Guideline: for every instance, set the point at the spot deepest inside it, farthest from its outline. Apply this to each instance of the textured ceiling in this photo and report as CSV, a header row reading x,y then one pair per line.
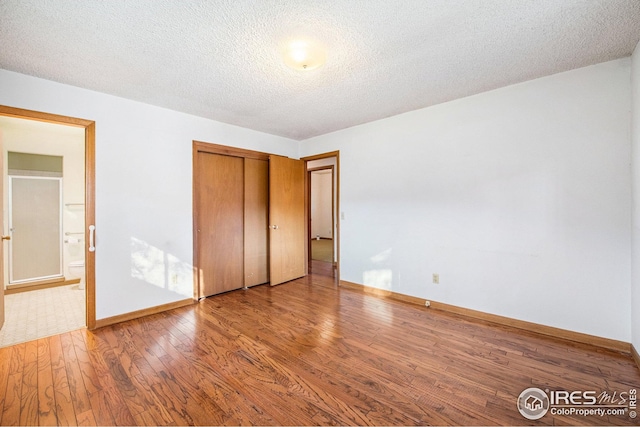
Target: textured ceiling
x,y
221,59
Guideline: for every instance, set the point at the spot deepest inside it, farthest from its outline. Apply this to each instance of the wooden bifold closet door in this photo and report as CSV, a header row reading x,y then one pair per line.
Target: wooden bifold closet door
x,y
220,229
256,222
235,198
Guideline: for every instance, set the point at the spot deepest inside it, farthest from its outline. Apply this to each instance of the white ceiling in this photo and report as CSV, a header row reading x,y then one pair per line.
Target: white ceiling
x,y
221,59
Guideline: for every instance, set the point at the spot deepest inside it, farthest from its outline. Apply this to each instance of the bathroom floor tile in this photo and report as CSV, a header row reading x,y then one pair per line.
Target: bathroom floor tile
x,y
42,313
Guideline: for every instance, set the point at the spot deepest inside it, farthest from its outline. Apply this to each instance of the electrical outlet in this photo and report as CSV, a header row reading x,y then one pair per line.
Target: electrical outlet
x,y
436,278
427,303
174,279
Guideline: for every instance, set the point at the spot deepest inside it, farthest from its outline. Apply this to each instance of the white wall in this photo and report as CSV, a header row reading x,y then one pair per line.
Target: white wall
x,y
635,184
519,198
143,187
27,136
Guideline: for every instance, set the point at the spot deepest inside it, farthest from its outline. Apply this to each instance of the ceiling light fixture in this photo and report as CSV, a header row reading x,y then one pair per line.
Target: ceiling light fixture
x,y
304,55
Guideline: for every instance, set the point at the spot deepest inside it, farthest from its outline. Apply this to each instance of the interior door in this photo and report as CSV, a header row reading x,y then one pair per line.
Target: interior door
x,y
220,227
4,238
287,223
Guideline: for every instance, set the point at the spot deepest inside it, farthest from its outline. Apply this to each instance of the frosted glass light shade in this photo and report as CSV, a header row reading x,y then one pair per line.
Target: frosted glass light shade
x,y
304,55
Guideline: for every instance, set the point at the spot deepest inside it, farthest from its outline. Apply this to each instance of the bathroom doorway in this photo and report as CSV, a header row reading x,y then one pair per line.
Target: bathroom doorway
x,y
44,200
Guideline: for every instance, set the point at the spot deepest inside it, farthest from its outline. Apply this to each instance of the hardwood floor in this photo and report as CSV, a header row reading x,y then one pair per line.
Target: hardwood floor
x,y
302,353
321,268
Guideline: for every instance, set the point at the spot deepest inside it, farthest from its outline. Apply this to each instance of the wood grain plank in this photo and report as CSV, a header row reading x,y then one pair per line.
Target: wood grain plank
x,y
13,391
79,394
226,388
129,392
29,391
270,370
120,351
87,419
304,353
154,410
113,382
46,392
64,409
186,363
173,400
58,367
101,409
247,381
5,362
90,378
152,376
65,412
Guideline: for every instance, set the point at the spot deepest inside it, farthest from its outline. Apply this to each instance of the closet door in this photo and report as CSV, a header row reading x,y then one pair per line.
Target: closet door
x,y
256,222
220,223
287,222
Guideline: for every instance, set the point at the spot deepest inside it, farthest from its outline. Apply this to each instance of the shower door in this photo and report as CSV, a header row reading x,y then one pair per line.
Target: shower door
x,y
35,223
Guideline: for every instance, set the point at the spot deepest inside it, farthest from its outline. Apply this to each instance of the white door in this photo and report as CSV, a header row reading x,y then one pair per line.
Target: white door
x,y
4,238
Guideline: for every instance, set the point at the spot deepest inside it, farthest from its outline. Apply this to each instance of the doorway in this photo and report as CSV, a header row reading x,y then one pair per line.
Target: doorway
x,y
322,213
48,169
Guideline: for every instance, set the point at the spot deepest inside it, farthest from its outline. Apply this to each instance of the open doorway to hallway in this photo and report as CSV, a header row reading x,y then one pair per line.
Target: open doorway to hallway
x,y
44,229
322,212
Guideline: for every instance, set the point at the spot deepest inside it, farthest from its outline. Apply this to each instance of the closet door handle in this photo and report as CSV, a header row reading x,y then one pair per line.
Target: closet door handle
x,y
92,246
275,227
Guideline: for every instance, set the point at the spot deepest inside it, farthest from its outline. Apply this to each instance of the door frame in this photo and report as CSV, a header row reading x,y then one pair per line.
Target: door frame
x,y
307,159
333,206
90,181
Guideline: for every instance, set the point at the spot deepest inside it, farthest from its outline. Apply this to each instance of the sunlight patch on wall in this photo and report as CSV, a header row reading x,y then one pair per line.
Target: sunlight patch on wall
x,y
156,267
381,279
